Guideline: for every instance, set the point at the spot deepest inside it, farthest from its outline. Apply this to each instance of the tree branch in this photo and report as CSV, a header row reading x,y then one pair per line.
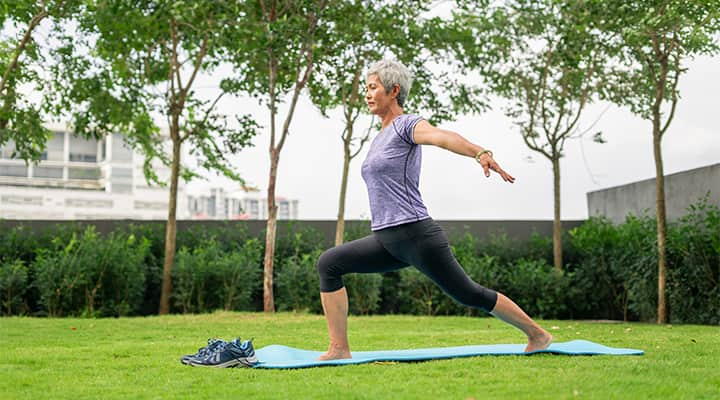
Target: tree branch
x,y
34,22
674,100
533,146
175,64
205,118
196,68
300,84
543,87
364,139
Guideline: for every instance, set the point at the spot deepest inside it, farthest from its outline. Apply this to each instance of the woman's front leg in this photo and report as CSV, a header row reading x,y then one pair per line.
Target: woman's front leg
x,y
335,306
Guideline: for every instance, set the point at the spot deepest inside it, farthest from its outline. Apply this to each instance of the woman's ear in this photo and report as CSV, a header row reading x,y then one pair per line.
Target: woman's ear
x,y
396,90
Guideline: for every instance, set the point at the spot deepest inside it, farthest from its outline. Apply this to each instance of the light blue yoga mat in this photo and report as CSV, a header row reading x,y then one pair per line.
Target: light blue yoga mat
x,y
277,356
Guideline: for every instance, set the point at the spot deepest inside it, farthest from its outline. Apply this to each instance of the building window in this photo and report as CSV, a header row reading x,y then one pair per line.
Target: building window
x,y
121,152
121,188
192,204
284,210
211,206
14,170
122,172
83,150
84,173
88,203
22,200
254,208
150,205
7,150
48,172
54,148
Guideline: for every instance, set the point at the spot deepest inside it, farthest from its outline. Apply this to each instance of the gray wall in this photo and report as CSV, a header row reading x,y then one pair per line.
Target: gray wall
x,y
519,230
682,189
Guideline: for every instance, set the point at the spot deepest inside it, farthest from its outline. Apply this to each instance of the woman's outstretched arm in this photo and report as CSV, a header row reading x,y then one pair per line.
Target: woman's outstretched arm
x,y
425,133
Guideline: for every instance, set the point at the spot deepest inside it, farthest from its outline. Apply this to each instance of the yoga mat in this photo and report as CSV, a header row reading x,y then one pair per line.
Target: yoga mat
x,y
278,356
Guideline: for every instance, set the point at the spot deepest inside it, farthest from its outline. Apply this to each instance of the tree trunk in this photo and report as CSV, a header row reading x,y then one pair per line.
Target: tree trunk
x,y
340,227
171,227
662,314
268,295
557,222
660,218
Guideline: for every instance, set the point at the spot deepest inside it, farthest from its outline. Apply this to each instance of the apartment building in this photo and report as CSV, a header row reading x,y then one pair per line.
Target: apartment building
x,y
242,203
78,179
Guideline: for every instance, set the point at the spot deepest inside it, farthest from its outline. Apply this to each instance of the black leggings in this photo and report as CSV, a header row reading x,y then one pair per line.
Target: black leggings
x,y
422,244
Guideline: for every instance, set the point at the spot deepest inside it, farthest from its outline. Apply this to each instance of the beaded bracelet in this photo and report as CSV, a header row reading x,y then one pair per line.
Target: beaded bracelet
x,y
486,151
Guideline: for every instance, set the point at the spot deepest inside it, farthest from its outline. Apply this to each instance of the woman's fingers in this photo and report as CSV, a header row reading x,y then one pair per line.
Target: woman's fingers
x,y
492,165
486,168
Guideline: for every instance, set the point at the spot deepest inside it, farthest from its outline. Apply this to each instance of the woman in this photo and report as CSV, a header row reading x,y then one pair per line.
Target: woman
x,y
403,232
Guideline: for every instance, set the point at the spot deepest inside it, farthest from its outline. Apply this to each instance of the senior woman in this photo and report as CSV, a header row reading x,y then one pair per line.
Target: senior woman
x,y
403,233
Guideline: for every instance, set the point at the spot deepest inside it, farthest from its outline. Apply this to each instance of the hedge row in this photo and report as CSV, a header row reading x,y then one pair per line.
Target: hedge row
x,y
610,272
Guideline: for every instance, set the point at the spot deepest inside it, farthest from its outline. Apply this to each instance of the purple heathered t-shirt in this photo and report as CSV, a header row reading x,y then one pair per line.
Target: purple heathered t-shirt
x,y
392,174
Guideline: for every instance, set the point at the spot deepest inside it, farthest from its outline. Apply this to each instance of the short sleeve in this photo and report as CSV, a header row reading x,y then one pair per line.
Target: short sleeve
x,y
405,126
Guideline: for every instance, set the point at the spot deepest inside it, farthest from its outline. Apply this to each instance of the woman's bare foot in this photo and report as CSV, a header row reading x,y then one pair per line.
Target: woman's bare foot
x,y
335,353
540,341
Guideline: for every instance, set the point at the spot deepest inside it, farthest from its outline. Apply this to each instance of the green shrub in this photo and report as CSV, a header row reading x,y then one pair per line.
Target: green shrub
x,y
193,275
293,239
418,294
154,232
239,274
92,276
208,277
637,266
693,284
538,288
598,243
297,284
13,285
363,292
356,230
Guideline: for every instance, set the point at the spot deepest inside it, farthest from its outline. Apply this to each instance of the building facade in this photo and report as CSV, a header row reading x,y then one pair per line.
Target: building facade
x,y
243,203
79,179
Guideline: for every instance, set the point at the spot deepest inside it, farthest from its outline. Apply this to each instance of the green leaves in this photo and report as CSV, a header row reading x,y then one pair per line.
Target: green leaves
x,y
545,58
141,58
23,59
652,39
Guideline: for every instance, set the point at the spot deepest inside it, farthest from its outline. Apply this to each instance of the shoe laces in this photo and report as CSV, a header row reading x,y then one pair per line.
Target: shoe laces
x,y
214,345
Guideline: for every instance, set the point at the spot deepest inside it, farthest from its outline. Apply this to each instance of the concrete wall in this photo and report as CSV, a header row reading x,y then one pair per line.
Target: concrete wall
x,y
682,189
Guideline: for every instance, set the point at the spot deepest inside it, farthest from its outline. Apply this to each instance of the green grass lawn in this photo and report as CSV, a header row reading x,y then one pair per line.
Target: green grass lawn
x,y
131,358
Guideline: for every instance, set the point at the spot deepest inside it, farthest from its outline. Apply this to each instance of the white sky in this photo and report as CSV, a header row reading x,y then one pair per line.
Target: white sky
x,y
454,187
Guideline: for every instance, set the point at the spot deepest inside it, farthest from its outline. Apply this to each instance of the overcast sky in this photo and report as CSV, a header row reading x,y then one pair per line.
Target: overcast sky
x,y
454,187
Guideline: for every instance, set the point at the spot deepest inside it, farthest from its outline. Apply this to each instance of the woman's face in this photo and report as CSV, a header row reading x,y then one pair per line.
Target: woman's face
x,y
377,98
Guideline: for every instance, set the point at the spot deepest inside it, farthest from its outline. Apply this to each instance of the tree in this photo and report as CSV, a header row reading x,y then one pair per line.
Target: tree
x,y
21,64
655,38
361,32
543,57
148,55
280,64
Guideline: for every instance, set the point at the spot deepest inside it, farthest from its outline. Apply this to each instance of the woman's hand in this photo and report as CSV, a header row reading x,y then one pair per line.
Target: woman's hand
x,y
488,164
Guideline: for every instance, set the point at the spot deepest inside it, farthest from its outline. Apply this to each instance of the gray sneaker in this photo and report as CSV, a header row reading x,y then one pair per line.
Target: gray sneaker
x,y
212,346
228,355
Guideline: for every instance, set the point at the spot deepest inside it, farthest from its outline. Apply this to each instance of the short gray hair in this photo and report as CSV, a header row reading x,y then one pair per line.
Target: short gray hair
x,y
391,73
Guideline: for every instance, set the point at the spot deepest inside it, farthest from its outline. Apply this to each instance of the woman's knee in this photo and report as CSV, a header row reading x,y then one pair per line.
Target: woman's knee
x,y
330,271
325,262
